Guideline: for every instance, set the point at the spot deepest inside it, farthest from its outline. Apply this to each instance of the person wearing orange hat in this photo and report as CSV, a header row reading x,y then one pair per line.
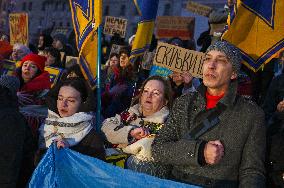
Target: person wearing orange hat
x,y
34,85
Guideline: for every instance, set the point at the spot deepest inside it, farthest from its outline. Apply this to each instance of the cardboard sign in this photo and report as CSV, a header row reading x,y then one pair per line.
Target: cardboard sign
x,y
7,67
197,8
147,60
115,25
54,74
175,26
179,59
19,32
70,61
161,71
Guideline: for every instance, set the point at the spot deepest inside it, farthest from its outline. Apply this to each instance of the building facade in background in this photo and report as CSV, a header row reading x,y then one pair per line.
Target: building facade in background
x,y
55,16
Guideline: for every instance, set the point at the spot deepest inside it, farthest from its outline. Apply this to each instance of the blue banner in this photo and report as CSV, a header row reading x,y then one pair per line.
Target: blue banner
x,y
67,168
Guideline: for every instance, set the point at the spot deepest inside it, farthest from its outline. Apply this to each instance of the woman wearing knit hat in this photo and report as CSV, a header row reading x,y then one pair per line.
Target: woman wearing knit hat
x,y
34,84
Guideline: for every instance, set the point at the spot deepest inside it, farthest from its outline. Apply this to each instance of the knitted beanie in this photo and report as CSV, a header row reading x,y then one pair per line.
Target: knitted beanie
x,y
233,54
37,59
10,82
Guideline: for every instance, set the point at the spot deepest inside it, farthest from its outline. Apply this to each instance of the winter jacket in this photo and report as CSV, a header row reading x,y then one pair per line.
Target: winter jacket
x,y
33,107
241,130
116,130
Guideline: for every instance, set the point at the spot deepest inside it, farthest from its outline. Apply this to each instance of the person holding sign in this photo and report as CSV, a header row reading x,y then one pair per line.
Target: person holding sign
x,y
213,137
183,83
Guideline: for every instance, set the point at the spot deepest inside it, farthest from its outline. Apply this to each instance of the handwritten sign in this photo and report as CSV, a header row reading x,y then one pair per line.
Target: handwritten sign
x,y
19,32
198,8
179,59
115,25
175,26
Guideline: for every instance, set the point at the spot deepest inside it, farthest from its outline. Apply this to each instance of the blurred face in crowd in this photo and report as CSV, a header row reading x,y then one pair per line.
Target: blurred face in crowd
x,y
17,54
217,72
68,101
124,60
177,78
41,41
57,44
49,59
113,61
152,99
29,70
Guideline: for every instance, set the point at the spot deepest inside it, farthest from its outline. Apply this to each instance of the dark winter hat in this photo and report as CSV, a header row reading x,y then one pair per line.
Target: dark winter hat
x,y
61,37
10,82
233,54
37,59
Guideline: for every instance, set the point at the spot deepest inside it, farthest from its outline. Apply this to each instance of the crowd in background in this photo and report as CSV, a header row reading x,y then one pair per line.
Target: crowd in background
x,y
135,106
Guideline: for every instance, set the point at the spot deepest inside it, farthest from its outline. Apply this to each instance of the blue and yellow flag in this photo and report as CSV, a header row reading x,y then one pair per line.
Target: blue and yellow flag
x,y
148,12
257,29
86,17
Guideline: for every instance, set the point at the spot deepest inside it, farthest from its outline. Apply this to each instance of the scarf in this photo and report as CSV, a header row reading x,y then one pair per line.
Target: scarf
x,y
72,129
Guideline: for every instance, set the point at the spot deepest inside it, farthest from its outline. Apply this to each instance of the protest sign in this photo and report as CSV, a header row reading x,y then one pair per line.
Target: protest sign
x,y
175,26
115,25
19,32
179,59
54,74
198,8
70,61
147,60
7,67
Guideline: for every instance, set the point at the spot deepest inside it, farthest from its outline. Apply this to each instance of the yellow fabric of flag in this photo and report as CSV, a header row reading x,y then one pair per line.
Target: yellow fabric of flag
x,y
257,29
86,17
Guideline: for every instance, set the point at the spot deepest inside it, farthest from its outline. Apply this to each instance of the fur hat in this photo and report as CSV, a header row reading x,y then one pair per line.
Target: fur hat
x,y
37,59
10,82
233,54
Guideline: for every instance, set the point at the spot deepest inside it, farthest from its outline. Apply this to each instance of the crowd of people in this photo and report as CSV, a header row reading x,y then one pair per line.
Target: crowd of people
x,y
219,131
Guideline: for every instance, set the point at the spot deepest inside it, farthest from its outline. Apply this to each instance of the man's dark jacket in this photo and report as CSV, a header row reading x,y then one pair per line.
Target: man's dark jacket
x,y
241,131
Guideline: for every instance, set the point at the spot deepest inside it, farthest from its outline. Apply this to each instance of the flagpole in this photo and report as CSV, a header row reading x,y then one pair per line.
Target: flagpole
x,y
98,116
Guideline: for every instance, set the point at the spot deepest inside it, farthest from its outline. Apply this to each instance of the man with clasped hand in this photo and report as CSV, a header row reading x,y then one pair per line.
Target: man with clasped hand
x,y
213,137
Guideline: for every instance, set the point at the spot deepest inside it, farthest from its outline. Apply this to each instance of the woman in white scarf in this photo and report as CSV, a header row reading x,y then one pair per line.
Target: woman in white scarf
x,y
134,130
70,121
